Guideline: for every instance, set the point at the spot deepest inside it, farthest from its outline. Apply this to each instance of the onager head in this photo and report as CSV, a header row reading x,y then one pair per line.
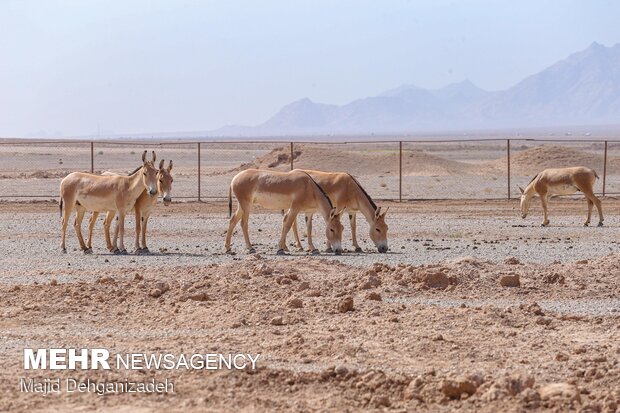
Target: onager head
x,y
149,174
164,182
378,230
526,200
333,230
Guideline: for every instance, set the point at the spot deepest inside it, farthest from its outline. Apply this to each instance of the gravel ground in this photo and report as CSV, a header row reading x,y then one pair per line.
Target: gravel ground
x,y
420,233
469,312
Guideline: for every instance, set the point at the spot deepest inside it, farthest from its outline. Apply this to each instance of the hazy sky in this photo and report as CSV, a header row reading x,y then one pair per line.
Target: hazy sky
x,y
136,66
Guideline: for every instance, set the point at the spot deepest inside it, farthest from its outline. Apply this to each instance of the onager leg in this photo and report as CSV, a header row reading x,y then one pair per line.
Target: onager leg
x,y
289,218
352,221
145,221
77,225
544,200
91,227
245,221
121,229
69,204
232,223
109,218
592,198
590,205
139,220
296,234
311,246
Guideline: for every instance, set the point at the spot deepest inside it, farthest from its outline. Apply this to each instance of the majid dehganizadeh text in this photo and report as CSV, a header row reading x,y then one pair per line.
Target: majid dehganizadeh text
x,y
100,359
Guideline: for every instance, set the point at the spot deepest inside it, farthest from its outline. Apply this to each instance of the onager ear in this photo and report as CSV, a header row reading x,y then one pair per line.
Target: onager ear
x,y
144,156
170,166
521,189
378,212
384,212
154,157
341,211
161,164
332,213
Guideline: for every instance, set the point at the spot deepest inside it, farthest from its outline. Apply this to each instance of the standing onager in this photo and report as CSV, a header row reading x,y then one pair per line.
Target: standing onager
x,y
88,192
143,208
294,191
346,192
562,181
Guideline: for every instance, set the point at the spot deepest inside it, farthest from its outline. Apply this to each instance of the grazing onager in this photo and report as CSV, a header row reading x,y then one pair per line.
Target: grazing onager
x,y
346,192
562,181
143,207
294,191
88,192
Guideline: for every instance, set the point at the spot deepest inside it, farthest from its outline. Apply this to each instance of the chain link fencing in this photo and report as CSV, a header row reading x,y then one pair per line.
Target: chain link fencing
x,y
389,170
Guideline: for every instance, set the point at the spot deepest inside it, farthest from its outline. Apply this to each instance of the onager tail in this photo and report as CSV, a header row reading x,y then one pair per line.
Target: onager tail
x,y
230,201
595,174
61,201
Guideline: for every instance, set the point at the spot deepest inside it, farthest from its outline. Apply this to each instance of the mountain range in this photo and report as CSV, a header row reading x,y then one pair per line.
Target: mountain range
x,y
583,89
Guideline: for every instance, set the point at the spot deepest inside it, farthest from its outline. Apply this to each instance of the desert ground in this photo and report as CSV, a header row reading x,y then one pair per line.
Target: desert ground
x,y
430,170
473,309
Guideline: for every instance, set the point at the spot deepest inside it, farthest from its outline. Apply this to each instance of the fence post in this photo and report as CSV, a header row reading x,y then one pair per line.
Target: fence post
x,y
292,156
400,171
604,168
198,171
508,164
92,157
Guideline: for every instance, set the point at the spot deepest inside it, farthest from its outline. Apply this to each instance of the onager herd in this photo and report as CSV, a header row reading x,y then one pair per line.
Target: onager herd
x,y
294,192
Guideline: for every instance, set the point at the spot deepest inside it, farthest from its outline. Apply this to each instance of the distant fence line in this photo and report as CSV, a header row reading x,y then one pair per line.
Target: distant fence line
x,y
389,169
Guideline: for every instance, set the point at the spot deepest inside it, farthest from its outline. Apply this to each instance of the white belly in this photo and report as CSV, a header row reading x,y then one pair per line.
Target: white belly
x,y
562,190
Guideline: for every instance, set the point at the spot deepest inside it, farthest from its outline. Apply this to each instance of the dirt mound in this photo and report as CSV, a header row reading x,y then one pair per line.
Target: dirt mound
x,y
533,160
359,161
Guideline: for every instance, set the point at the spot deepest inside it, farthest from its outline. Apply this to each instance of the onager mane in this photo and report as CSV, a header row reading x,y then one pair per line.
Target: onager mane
x,y
374,206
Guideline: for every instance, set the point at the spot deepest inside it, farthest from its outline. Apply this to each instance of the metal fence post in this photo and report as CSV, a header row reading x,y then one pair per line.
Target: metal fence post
x,y
92,157
292,156
604,168
198,171
400,171
508,164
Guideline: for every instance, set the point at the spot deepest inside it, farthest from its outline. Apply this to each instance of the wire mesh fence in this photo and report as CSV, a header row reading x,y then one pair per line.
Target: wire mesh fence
x,y
389,170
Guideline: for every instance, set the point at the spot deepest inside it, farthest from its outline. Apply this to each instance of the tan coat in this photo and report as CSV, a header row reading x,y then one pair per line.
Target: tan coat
x,y
294,191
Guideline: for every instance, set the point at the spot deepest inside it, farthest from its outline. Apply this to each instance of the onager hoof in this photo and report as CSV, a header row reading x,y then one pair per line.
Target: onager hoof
x,y
281,252
251,250
359,249
600,224
230,252
315,252
329,250
63,250
88,251
544,224
116,251
586,224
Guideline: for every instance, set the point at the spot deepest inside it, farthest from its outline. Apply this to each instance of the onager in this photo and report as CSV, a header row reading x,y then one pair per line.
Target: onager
x,y
562,181
143,207
88,192
294,191
346,192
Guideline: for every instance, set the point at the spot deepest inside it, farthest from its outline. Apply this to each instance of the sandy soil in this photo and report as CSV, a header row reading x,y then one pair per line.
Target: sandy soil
x,y
434,325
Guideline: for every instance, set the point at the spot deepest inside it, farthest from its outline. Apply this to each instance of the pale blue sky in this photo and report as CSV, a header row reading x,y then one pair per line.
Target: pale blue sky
x,y
140,66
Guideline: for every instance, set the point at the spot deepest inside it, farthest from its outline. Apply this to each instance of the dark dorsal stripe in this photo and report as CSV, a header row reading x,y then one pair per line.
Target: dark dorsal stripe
x,y
135,170
320,189
374,206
